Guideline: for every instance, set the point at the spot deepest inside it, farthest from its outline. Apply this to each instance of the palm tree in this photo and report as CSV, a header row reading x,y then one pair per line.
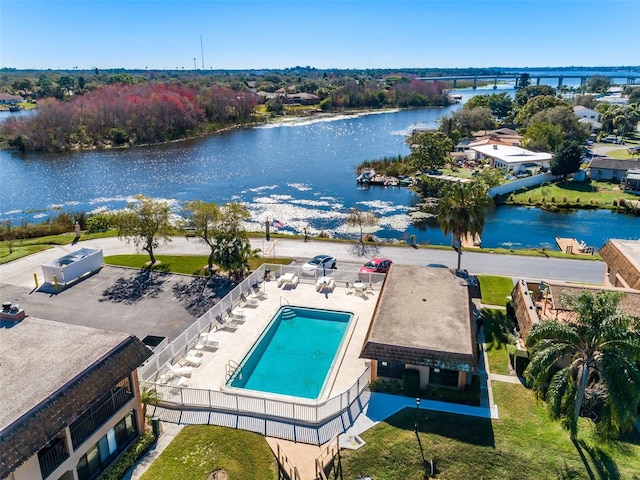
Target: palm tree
x,y
148,396
461,211
588,365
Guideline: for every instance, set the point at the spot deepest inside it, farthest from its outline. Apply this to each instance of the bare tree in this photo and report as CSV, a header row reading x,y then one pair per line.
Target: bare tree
x,y
362,220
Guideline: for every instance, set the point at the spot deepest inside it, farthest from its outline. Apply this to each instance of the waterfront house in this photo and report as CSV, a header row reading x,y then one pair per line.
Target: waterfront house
x,y
423,321
70,399
611,169
511,159
8,99
632,181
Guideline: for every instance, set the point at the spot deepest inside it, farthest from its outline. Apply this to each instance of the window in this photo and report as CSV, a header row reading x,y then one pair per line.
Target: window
x,y
441,376
390,369
102,453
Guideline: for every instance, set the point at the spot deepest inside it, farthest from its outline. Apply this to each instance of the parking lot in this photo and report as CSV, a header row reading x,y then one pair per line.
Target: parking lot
x,y
122,299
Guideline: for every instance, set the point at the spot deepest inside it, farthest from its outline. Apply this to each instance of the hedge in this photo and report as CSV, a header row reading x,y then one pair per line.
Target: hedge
x,y
128,459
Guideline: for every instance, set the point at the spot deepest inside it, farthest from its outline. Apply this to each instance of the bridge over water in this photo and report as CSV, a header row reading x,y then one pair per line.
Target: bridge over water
x,y
630,78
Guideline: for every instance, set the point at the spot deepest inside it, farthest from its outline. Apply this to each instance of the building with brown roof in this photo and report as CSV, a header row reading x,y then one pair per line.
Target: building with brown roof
x,y
70,399
623,263
423,321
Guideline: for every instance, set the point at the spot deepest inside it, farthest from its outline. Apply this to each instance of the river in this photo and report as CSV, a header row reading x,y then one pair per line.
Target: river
x,y
300,173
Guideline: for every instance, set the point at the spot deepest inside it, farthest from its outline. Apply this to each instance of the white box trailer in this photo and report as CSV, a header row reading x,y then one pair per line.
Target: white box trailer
x,y
73,266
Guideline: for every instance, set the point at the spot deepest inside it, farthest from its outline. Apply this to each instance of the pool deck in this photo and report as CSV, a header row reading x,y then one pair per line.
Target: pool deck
x,y
233,345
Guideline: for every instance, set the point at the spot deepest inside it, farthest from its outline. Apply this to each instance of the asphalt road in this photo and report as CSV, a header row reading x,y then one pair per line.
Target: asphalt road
x,y
21,271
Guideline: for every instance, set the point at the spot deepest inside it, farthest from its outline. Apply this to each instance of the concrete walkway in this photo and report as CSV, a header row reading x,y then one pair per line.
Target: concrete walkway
x,y
168,432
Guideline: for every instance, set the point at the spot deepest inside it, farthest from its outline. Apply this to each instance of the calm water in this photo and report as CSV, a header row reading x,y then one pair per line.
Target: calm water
x,y
295,354
300,173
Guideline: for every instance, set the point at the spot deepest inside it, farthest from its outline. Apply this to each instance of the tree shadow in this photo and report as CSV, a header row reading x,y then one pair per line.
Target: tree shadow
x,y
604,465
463,428
201,293
361,249
131,290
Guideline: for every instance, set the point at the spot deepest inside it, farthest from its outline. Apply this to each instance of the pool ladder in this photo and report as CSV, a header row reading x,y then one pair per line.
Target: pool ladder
x,y
287,314
232,370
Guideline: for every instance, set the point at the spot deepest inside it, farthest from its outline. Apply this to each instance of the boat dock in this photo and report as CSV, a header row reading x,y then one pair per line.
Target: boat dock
x,y
571,245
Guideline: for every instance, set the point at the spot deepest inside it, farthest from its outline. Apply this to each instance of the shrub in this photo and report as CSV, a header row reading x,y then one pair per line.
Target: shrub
x,y
529,199
577,199
553,199
128,458
100,222
411,382
615,203
564,199
593,201
385,385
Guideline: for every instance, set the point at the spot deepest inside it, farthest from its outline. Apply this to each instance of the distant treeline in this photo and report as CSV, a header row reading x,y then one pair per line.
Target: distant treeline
x,y
117,115
77,112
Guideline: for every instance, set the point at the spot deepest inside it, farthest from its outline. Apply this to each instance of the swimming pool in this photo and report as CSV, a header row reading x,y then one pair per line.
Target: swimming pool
x,y
294,354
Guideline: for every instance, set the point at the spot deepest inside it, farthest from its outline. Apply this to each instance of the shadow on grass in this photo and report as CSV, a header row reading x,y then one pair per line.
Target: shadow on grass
x,y
605,467
145,283
462,428
202,293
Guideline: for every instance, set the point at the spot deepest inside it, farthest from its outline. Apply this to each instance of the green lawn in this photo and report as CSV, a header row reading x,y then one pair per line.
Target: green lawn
x,y
590,194
185,264
24,247
622,154
522,444
199,450
496,324
495,289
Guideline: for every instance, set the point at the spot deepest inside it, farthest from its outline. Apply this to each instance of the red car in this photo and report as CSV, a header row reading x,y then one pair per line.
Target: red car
x,y
376,265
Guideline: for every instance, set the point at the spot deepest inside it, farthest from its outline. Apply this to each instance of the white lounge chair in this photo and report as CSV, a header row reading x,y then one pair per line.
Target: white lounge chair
x,y
191,361
176,383
180,371
250,302
205,342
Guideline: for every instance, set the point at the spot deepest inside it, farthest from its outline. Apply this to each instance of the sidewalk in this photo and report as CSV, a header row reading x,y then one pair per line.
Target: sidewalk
x,y
168,431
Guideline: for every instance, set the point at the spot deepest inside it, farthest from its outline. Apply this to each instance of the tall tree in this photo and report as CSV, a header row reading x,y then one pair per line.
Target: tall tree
x,y
566,159
430,150
145,223
588,365
461,211
598,84
222,229
525,94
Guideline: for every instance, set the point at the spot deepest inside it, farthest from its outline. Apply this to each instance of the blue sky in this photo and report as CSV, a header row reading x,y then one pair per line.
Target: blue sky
x,y
241,34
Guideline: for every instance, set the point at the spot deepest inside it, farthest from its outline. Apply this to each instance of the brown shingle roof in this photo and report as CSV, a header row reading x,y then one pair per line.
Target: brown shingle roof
x,y
50,373
623,257
423,318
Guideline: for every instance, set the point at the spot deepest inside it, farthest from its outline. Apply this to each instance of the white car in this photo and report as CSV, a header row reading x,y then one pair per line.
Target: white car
x,y
317,263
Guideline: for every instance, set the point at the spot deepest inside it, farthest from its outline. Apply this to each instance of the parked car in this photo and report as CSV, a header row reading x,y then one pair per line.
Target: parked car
x,y
376,265
318,262
635,149
610,139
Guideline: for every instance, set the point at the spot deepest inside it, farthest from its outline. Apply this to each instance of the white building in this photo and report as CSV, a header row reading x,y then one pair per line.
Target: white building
x,y
512,159
584,112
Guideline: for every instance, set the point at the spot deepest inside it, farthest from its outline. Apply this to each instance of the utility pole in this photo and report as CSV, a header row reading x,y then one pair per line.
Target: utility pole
x,y
201,52
194,63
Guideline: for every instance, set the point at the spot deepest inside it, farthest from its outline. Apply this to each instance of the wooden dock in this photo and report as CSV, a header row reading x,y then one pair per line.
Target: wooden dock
x,y
573,246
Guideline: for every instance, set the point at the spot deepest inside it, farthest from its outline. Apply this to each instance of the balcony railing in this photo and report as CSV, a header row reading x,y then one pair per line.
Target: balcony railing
x,y
52,456
93,418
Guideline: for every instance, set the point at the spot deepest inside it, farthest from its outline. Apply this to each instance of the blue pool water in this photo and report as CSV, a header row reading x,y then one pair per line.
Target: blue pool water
x,y
294,354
